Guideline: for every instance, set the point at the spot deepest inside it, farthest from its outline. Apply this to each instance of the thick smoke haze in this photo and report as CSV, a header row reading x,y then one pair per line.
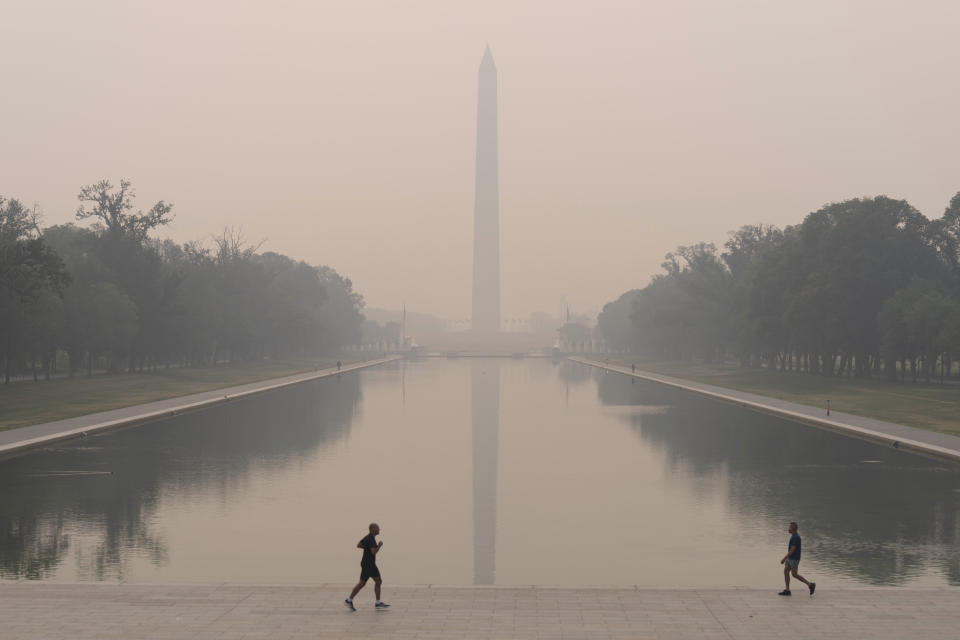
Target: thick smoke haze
x,y
343,133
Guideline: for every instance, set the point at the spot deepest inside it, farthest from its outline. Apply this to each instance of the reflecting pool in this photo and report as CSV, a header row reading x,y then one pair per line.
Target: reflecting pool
x,y
479,471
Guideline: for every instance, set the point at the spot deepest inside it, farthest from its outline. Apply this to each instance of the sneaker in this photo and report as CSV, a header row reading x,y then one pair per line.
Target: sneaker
x,y
349,604
785,592
813,587
381,605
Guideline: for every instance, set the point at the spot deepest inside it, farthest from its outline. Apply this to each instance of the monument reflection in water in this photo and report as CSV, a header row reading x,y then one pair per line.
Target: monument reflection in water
x,y
485,421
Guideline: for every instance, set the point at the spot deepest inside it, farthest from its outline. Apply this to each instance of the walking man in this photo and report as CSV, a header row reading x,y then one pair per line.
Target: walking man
x,y
791,562
368,567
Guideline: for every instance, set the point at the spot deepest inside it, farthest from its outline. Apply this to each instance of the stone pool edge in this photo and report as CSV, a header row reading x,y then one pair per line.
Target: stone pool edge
x,y
898,436
226,611
16,441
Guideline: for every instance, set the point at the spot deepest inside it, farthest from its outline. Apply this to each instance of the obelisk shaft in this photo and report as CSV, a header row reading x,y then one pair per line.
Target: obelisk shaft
x,y
486,211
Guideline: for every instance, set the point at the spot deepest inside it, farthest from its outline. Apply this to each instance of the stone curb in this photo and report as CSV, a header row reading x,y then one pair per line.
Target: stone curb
x,y
725,395
225,395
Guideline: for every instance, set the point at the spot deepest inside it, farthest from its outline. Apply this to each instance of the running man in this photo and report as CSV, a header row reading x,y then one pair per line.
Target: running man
x,y
368,567
791,562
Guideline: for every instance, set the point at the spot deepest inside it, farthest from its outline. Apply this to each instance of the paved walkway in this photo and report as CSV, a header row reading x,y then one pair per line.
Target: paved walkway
x,y
940,445
16,440
99,611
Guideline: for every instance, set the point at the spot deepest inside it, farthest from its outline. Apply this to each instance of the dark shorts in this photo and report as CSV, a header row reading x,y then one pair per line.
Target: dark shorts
x,y
792,563
369,572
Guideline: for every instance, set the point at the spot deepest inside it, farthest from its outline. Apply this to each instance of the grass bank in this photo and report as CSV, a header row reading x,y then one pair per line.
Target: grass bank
x,y
926,406
26,403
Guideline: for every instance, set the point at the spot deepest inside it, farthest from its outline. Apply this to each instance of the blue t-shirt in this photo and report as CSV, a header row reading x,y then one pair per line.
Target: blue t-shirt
x,y
794,542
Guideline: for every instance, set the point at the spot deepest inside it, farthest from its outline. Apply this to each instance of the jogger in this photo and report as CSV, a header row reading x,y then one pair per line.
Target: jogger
x,y
368,567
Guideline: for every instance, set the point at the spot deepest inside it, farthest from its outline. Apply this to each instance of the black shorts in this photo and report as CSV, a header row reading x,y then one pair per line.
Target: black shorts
x,y
369,572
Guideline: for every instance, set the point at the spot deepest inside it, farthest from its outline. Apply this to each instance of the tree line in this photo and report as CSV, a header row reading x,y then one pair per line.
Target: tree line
x,y
110,296
864,287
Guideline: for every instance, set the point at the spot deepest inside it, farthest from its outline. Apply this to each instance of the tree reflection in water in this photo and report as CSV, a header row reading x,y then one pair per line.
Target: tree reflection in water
x,y
874,513
88,488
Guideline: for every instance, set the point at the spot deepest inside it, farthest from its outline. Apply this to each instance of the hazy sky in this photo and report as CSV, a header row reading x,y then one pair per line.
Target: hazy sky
x,y
343,132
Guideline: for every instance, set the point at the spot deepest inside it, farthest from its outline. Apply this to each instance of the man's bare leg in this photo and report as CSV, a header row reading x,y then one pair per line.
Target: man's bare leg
x,y
786,577
360,585
798,577
376,587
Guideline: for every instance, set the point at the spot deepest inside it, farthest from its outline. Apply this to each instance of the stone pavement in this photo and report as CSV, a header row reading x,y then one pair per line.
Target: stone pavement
x,y
102,611
16,440
931,443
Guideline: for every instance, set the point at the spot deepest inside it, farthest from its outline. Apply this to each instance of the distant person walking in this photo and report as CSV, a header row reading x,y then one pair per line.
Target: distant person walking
x,y
339,365
791,562
368,567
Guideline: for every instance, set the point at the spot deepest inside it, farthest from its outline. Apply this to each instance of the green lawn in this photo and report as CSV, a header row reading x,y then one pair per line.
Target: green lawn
x,y
934,407
25,403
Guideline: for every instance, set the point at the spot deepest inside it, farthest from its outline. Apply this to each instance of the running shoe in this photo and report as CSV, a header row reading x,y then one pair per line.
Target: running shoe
x,y
349,604
813,587
785,592
380,605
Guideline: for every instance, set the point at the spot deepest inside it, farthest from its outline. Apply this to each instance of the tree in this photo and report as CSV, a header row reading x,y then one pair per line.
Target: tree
x,y
758,260
29,269
110,322
135,264
112,211
829,295
896,343
79,249
339,317
945,237
926,323
616,324
43,331
705,306
855,255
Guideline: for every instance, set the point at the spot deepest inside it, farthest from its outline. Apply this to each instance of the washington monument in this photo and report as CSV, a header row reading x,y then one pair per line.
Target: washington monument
x,y
486,208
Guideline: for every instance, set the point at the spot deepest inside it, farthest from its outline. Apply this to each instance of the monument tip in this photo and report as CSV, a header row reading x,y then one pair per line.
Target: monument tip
x,y
487,56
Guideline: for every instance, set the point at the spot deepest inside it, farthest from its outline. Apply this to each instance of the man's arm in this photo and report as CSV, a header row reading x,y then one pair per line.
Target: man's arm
x,y
375,550
789,553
